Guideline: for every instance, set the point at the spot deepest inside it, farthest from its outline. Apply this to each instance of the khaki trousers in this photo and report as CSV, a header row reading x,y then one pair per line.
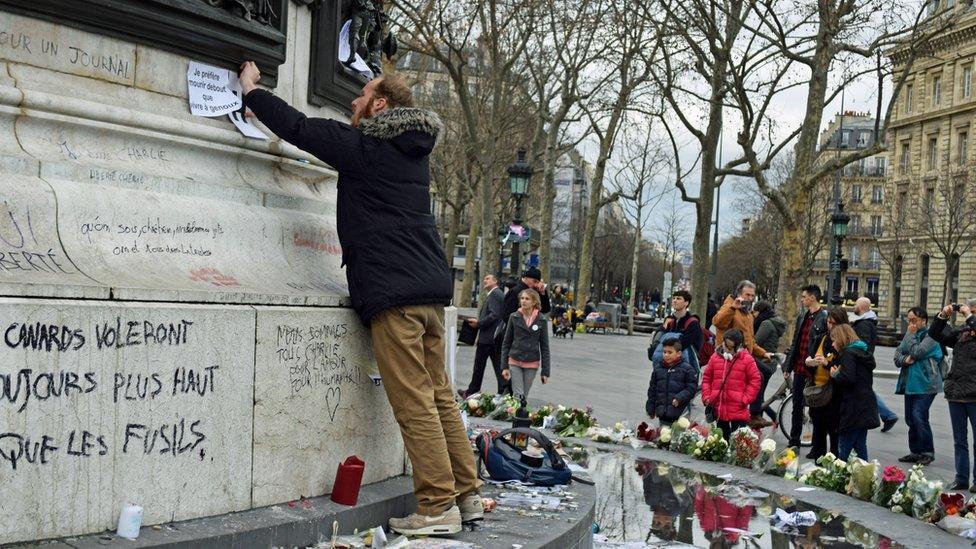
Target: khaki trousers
x,y
409,346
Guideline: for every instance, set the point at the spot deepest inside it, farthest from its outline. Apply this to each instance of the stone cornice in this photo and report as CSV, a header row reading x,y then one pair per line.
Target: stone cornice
x,y
932,116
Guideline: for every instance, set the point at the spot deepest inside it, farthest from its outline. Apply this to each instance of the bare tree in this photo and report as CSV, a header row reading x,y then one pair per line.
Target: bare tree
x,y
637,182
942,214
894,245
557,61
672,232
839,38
480,45
628,63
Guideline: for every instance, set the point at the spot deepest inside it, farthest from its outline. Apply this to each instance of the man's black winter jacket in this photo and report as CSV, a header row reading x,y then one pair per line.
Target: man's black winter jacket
x,y
390,246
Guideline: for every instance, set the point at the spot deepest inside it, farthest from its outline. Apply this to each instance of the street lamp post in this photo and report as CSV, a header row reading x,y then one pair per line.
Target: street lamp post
x,y
518,181
838,221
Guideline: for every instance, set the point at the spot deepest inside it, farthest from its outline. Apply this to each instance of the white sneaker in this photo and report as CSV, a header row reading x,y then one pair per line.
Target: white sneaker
x,y
446,523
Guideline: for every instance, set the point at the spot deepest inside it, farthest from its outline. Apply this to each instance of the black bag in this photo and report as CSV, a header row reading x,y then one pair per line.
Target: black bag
x,y
817,396
711,415
468,333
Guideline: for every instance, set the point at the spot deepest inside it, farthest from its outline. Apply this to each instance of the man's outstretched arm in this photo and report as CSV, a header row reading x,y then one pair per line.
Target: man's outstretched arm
x,y
332,142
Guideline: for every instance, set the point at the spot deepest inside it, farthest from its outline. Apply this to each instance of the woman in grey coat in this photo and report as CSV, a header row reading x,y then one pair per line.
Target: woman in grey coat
x,y
525,349
768,328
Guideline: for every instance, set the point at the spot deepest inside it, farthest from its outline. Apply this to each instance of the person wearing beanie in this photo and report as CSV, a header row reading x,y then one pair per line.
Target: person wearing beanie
x,y
731,382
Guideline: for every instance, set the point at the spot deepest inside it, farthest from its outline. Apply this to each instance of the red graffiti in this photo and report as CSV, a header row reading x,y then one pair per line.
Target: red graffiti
x,y
330,246
213,276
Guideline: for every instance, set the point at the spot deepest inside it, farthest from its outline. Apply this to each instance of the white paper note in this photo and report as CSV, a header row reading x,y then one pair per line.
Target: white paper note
x,y
247,128
212,91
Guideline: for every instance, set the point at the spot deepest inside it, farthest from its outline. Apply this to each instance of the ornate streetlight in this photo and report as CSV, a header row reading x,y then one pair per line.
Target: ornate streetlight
x,y
838,221
519,174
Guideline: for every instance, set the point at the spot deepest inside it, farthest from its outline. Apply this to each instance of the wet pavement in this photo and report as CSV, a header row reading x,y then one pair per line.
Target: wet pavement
x,y
644,503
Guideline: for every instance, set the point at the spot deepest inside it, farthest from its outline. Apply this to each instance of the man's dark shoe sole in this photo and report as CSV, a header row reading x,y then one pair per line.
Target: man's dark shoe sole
x,y
910,458
888,424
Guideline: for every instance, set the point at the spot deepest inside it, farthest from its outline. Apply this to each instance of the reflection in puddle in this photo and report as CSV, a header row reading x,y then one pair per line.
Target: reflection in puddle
x,y
643,503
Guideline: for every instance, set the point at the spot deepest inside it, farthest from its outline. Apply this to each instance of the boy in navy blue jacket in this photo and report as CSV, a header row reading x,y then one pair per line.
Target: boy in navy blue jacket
x,y
672,386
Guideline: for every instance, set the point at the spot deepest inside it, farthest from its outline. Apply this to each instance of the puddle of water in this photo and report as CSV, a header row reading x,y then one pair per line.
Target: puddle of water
x,y
642,503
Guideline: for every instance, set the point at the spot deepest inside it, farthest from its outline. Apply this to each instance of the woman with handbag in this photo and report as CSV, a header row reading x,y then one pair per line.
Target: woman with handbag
x,y
819,391
730,383
853,377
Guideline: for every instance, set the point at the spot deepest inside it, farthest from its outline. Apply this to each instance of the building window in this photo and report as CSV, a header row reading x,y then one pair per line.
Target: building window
x,y
962,148
845,139
872,286
852,285
967,82
879,166
875,225
936,91
877,194
856,194
905,157
854,226
855,257
929,198
933,155
874,261
909,98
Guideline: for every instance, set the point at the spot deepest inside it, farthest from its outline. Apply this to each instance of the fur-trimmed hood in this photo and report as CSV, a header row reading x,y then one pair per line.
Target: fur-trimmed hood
x,y
412,131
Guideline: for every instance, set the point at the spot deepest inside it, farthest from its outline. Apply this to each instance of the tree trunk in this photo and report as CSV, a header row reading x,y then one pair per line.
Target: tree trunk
x,y
548,198
791,272
949,264
471,251
452,235
634,262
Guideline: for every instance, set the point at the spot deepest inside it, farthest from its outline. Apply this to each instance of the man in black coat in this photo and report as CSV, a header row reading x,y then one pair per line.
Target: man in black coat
x,y
488,321
398,280
531,280
811,326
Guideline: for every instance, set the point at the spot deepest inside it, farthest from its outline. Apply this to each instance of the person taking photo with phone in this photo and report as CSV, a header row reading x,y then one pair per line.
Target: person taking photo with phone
x,y
960,383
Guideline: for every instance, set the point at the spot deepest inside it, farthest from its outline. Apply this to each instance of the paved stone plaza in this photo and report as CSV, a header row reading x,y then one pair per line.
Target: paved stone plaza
x,y
611,373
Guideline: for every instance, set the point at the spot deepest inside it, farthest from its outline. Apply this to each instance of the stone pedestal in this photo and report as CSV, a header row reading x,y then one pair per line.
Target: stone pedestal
x,y
175,322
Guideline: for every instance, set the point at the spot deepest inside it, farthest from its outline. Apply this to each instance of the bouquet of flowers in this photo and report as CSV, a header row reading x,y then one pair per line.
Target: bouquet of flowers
x,y
953,514
616,435
884,489
830,474
902,500
573,422
687,441
713,448
539,415
924,494
505,407
647,433
785,464
479,405
664,437
744,447
767,455
859,535
862,480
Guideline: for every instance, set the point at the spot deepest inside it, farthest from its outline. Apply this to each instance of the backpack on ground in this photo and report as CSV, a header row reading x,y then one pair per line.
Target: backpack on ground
x,y
503,459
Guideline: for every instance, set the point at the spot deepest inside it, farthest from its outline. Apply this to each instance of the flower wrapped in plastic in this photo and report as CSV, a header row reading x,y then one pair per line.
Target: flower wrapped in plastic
x,y
863,478
505,407
859,535
664,437
767,455
830,474
478,405
687,441
615,435
647,433
743,447
714,447
573,422
887,484
539,415
785,464
924,494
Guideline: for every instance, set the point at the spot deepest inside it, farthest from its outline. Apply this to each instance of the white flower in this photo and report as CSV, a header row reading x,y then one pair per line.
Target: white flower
x,y
682,423
618,426
561,408
768,445
840,463
473,403
700,443
803,478
697,452
830,456
896,509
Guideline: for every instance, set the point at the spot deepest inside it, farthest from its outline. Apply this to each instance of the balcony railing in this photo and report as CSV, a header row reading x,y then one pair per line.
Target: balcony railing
x,y
872,265
857,170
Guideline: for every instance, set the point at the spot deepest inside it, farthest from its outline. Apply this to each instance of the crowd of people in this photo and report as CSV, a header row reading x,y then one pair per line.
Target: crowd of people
x,y
831,365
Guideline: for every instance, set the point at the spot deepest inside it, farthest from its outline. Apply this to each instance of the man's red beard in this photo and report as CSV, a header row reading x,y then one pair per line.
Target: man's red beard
x,y
359,116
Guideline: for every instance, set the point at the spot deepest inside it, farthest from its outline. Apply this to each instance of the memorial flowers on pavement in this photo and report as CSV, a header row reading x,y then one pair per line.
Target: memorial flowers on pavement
x,y
891,479
744,447
864,477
